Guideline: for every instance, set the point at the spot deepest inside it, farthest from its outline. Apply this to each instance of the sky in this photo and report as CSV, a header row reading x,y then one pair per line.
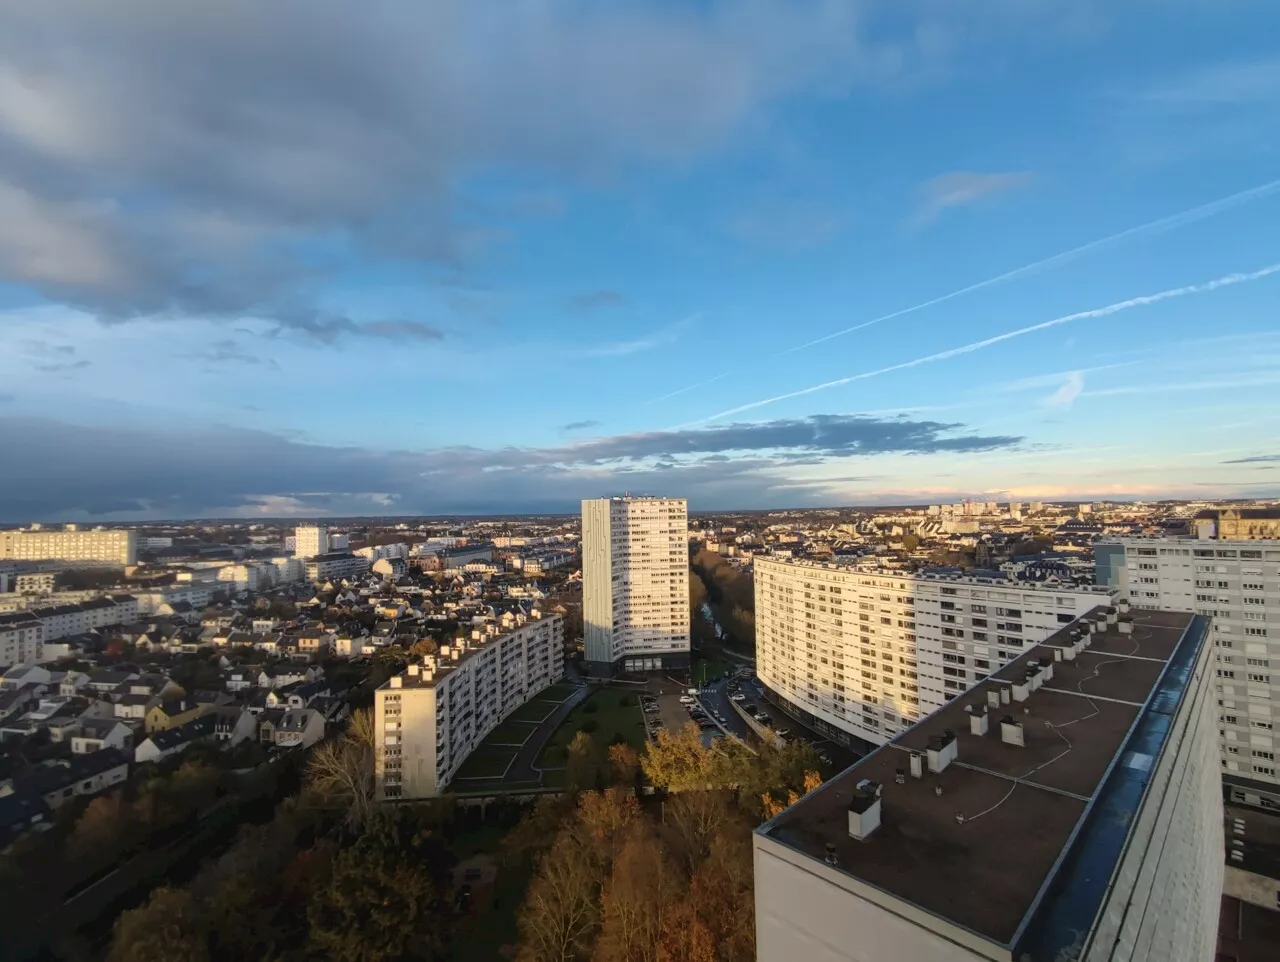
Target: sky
x,y
313,258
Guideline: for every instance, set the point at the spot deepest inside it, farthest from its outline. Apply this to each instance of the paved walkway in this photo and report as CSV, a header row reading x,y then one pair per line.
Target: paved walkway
x,y
522,767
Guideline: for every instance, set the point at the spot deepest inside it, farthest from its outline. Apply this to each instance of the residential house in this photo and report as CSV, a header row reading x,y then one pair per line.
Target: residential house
x,y
58,782
234,724
14,701
238,679
105,680
349,646
172,713
298,695
162,744
299,728
96,734
72,683
313,642
134,707
19,813
21,676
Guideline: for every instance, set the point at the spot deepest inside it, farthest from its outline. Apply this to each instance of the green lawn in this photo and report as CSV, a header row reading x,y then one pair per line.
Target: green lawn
x,y
486,762
708,668
535,710
511,732
611,718
557,692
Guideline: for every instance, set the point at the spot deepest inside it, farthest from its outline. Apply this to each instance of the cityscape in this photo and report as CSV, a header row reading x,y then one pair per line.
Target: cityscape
x,y
644,481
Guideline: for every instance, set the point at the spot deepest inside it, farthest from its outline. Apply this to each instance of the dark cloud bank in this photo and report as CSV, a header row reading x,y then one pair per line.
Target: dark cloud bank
x,y
68,470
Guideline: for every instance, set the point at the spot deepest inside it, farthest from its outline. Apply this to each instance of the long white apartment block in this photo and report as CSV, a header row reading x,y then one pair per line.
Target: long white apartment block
x,y
428,719
1237,584
865,652
115,546
635,592
1066,809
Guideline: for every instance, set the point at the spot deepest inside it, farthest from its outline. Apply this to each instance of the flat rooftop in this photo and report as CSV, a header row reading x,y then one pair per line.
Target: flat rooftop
x,y
979,854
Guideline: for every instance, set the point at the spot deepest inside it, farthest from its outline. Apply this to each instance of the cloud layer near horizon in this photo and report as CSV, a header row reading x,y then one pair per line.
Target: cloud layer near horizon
x,y
70,471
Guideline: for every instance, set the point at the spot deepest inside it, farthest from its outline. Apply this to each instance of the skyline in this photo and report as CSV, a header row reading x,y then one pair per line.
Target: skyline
x,y
302,262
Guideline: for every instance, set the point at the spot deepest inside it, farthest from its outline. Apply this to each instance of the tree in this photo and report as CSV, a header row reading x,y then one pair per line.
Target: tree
x,y
694,819
340,770
642,890
169,928
910,542
424,646
624,765
385,897
561,910
772,806
583,764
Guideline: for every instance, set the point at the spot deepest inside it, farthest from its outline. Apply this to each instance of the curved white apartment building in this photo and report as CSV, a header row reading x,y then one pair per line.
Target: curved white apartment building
x,y
865,651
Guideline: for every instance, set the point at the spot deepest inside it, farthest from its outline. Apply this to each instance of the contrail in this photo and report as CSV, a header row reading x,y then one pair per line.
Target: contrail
x,y
1143,301
691,387
1164,223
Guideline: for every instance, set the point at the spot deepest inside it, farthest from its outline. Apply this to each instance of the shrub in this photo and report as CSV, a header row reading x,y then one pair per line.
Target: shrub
x,y
590,725
590,708
618,740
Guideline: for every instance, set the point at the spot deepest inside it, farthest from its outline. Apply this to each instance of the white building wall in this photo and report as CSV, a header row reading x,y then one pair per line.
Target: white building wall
x,y
118,546
1237,583
636,580
309,541
869,651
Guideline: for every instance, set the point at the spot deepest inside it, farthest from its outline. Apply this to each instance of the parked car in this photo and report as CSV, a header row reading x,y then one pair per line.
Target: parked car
x,y
738,697
687,699
651,708
783,732
751,709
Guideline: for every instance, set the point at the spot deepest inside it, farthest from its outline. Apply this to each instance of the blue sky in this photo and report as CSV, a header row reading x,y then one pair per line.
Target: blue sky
x,y
309,258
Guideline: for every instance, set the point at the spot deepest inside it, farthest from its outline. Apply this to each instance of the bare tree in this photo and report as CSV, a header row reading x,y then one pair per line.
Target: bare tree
x,y
340,770
561,910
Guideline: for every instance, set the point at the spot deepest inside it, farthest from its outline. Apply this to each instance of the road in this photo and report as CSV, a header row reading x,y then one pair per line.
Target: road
x,y
715,699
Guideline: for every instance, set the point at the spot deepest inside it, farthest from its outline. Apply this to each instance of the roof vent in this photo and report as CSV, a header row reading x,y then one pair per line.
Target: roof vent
x,y
1022,690
1011,731
864,810
900,776
831,857
397,681
1123,606
1046,668
978,722
942,751
917,765
1125,626
993,697
1006,694
1112,616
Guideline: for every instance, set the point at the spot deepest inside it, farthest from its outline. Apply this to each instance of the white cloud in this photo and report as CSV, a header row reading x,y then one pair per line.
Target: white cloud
x,y
1067,392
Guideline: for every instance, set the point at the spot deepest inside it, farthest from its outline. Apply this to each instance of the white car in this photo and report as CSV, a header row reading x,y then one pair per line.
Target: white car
x,y
650,708
739,697
686,699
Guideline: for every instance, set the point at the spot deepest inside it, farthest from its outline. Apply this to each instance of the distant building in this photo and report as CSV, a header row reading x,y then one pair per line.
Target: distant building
x,y
310,541
35,583
331,567
635,595
430,718
1026,820
21,639
116,546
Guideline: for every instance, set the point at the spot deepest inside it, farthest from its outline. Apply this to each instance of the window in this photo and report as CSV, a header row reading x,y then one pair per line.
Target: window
x,y
1259,678
1256,632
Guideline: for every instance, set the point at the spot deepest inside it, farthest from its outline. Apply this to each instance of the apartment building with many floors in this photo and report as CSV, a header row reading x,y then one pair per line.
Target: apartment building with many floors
x,y
73,544
429,718
1237,584
635,583
1065,808
861,652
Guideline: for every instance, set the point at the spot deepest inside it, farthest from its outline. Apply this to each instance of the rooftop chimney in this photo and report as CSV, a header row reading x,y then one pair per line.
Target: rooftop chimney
x,y
942,751
1123,605
917,765
1011,731
978,723
1126,626
397,681
864,810
993,697
415,670
1046,669
1006,693
1112,615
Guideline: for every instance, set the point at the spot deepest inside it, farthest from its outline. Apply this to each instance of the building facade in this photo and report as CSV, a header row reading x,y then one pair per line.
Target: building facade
x,y
21,639
866,652
117,546
309,541
428,719
1237,584
635,583
1066,808
334,567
